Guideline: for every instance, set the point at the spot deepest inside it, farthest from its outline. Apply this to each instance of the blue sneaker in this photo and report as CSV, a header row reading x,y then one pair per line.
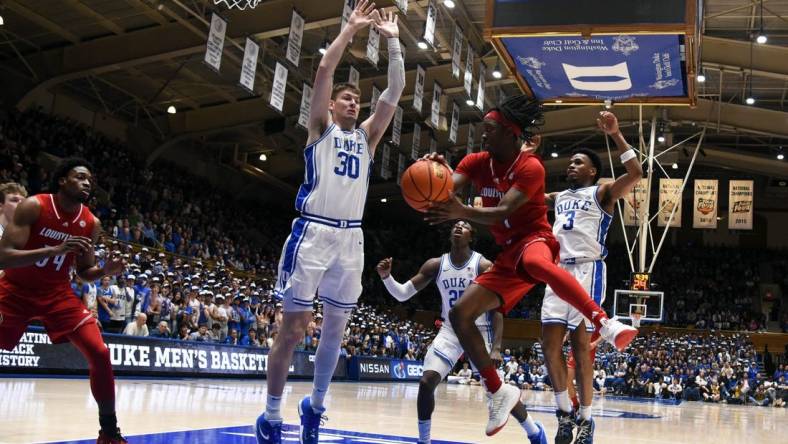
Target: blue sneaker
x,y
539,438
268,432
585,431
310,422
566,423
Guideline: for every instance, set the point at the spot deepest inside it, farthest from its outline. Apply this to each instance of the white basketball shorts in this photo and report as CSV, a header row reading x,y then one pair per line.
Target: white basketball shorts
x,y
322,260
592,276
445,349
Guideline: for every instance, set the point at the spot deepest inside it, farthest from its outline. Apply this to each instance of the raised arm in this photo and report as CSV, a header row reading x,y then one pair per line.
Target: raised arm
x,y
378,122
609,193
363,15
17,233
549,199
403,292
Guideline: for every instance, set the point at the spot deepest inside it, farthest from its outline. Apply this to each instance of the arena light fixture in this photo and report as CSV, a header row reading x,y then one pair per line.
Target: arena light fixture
x,y
263,157
171,109
2,22
780,155
323,47
384,200
449,4
496,73
422,44
760,37
701,77
675,166
750,100
553,154
661,139
469,101
559,101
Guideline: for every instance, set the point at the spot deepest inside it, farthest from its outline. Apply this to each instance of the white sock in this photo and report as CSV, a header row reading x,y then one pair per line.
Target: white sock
x,y
316,400
424,430
562,401
327,354
530,426
585,412
272,408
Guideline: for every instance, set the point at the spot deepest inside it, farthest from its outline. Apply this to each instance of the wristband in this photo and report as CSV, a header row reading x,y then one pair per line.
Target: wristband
x,y
627,156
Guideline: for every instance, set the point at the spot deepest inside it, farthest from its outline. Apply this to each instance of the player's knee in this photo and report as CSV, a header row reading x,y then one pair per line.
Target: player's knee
x,y
429,381
99,355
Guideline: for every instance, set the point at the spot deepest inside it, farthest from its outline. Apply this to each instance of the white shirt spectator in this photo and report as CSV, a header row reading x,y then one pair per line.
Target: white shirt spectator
x,y
138,327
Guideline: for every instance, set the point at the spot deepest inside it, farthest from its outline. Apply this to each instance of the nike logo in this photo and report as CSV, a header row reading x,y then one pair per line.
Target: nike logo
x,y
261,433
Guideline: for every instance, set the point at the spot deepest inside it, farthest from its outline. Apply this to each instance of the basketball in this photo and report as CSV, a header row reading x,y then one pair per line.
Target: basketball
x,y
424,182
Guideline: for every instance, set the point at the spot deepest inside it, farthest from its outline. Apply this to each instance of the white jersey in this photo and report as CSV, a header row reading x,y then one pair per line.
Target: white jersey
x,y
336,177
452,282
581,225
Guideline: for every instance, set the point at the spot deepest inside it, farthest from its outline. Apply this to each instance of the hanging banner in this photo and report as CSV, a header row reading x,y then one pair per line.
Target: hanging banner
x,y
402,5
471,138
418,92
429,24
249,65
295,38
277,99
704,213
373,46
456,52
501,95
306,104
384,162
396,130
435,113
353,76
669,197
468,81
635,201
215,46
482,86
416,143
347,10
433,145
400,168
455,122
375,96
740,198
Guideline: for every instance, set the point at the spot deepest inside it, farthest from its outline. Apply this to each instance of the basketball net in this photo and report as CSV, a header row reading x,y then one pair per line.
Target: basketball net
x,y
240,4
636,319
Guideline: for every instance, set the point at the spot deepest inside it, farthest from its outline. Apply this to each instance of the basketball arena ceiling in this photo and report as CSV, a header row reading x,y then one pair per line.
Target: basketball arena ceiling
x,y
134,58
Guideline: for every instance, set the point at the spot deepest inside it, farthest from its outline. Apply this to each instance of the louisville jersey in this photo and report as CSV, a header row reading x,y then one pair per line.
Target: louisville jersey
x,y
452,282
581,225
336,175
52,228
492,180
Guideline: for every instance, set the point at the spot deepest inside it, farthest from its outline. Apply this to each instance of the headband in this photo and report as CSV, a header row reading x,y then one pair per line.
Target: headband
x,y
496,115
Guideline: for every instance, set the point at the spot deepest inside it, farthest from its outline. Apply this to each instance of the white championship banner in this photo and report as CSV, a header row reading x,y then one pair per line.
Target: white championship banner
x,y
353,76
435,110
704,212
400,168
433,145
373,46
482,86
249,66
456,53
295,38
215,46
418,91
429,24
740,204
455,122
306,105
471,138
396,129
468,80
373,103
635,200
669,198
347,10
402,5
416,142
278,88
385,173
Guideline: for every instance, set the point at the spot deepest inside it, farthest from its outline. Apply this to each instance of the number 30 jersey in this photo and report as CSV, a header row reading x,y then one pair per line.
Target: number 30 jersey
x,y
336,176
453,281
581,225
52,228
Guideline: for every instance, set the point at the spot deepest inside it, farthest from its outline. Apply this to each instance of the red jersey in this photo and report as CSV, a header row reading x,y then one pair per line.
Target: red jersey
x,y
493,180
52,228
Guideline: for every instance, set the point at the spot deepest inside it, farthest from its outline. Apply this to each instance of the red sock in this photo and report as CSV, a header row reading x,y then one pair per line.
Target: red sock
x,y
537,261
102,381
490,378
575,402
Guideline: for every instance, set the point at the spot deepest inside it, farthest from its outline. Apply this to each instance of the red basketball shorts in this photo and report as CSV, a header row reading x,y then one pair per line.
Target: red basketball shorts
x,y
507,278
59,309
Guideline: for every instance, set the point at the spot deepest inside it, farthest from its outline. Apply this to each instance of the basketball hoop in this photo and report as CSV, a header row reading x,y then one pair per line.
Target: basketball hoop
x,y
240,4
636,319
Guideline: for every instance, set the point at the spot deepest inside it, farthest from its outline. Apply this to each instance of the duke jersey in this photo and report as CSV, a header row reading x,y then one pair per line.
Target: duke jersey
x,y
452,282
52,228
336,176
581,225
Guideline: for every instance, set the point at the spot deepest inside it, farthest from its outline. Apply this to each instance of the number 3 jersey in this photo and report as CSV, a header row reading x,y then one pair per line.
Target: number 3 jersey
x,y
52,228
452,282
336,176
581,225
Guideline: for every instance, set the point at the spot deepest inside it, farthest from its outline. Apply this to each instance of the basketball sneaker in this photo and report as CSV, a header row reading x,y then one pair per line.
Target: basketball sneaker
x,y
617,333
499,405
268,432
539,438
310,422
585,431
111,438
566,424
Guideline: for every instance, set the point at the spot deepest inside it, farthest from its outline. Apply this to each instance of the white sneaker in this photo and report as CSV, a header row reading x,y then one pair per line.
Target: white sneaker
x,y
617,333
500,405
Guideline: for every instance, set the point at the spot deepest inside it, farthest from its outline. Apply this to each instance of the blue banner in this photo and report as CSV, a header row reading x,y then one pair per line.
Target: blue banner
x,y
602,67
384,369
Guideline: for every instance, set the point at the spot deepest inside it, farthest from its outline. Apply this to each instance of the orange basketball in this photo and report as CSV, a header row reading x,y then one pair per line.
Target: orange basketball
x,y
426,181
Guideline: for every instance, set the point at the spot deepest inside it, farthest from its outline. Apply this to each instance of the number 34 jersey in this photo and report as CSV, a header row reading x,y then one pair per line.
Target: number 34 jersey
x,y
52,228
581,225
336,175
452,281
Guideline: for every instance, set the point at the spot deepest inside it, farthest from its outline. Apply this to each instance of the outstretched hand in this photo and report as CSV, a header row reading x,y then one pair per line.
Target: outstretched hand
x,y
386,23
363,15
607,122
439,212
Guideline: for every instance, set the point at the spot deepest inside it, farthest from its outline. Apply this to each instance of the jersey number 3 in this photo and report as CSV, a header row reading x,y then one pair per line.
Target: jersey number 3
x,y
570,220
348,165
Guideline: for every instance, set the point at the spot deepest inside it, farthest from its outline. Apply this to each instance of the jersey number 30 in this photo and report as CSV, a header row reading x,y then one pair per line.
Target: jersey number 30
x,y
453,296
348,165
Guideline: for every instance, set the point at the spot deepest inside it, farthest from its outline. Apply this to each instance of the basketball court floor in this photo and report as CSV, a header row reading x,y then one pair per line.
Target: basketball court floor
x,y
223,411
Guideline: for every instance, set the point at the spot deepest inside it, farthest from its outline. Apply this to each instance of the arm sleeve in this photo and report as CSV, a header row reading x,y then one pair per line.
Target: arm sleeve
x,y
401,292
396,74
530,177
